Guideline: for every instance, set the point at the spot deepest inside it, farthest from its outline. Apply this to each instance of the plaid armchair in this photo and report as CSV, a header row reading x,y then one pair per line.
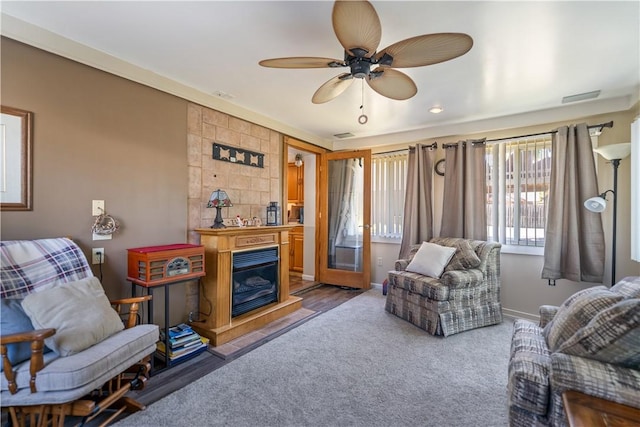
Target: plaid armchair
x,y
465,296
591,344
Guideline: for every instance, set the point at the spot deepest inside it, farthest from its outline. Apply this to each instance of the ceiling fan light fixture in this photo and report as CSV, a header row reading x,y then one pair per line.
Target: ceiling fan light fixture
x,y
357,26
436,110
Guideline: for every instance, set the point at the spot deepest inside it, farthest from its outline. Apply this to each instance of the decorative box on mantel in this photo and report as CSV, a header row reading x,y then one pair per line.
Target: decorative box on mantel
x,y
230,255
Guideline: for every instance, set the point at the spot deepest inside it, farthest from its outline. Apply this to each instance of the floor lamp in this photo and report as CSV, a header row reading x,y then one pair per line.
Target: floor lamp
x,y
614,153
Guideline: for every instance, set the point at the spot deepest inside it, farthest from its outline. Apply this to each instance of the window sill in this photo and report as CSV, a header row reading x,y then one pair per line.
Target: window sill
x,y
377,239
522,250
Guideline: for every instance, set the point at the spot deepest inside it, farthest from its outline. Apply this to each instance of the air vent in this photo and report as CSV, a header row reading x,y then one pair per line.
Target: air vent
x,y
223,95
581,97
344,135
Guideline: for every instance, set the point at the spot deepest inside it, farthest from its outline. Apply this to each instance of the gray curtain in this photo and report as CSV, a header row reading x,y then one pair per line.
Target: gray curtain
x,y
464,212
574,240
341,187
417,226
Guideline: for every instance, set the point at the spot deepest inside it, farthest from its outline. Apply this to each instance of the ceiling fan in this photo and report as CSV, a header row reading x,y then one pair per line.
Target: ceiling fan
x,y
358,30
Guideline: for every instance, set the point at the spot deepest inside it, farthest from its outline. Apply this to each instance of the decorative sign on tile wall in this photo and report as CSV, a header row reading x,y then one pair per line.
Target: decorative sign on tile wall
x,y
237,155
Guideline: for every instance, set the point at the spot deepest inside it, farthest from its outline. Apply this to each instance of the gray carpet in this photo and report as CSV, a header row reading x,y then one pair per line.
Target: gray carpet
x,y
355,365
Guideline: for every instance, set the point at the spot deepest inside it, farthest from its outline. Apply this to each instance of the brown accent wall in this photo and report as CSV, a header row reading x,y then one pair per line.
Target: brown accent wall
x,y
146,153
98,136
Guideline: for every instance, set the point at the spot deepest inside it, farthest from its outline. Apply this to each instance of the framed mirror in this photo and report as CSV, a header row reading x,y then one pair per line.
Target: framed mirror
x,y
16,146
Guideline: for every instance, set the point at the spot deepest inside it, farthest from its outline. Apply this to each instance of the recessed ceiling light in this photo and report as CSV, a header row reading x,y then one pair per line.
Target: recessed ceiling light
x,y
581,96
436,110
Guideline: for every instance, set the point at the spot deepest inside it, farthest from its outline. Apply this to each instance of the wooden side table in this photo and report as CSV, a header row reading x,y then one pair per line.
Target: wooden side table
x,y
588,411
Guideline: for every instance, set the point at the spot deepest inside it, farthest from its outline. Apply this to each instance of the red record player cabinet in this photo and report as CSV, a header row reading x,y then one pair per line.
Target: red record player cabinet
x,y
157,265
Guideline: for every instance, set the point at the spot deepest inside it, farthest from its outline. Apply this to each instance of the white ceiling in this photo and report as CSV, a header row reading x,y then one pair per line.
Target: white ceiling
x,y
526,57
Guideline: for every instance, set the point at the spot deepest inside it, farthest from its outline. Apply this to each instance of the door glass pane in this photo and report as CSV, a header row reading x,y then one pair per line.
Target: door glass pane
x,y
345,184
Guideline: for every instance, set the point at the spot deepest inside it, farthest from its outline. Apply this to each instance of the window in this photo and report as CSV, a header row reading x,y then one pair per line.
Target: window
x,y
388,186
518,173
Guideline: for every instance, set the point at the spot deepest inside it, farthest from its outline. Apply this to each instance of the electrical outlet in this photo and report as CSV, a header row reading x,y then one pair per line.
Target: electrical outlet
x,y
97,256
380,261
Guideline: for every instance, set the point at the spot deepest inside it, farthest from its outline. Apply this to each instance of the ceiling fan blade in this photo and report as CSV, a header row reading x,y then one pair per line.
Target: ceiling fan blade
x,y
356,25
332,88
302,62
427,49
393,84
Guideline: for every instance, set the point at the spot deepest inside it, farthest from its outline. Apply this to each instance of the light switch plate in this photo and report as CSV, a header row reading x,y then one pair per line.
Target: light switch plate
x,y
97,207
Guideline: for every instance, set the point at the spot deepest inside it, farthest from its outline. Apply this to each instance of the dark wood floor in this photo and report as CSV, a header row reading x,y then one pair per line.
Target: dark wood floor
x,y
315,296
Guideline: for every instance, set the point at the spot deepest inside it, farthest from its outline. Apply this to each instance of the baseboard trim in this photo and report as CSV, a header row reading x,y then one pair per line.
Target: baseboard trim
x,y
520,314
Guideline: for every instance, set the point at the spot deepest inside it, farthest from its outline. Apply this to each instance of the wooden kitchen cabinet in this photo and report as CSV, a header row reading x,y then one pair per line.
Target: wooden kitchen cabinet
x,y
296,249
295,183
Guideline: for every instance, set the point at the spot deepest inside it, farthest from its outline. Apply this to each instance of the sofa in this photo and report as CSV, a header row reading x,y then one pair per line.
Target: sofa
x,y
447,285
66,349
589,344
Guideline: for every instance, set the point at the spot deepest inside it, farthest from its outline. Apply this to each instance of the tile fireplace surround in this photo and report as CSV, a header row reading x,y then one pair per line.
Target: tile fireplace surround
x,y
215,295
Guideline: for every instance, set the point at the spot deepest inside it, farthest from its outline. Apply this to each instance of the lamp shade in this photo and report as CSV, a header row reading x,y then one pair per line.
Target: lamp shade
x,y
298,161
219,199
595,204
614,151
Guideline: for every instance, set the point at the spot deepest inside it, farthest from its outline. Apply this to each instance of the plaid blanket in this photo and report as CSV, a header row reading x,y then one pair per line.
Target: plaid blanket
x,y
28,266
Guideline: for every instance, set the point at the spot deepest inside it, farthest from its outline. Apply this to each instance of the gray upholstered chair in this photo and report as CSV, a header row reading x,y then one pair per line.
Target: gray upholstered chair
x,y
590,344
65,350
464,296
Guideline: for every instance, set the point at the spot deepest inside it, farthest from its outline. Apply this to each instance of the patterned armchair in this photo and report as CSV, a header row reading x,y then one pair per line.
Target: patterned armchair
x,y
465,296
590,344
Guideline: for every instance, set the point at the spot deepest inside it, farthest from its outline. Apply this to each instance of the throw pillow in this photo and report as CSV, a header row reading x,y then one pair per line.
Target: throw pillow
x,y
566,303
79,311
577,312
431,259
629,287
612,336
13,320
464,258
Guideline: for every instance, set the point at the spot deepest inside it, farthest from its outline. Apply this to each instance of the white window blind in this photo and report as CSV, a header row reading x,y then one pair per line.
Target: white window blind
x,y
388,186
518,173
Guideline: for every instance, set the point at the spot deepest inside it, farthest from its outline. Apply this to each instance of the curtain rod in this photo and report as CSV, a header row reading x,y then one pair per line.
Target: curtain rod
x,y
601,126
430,146
435,144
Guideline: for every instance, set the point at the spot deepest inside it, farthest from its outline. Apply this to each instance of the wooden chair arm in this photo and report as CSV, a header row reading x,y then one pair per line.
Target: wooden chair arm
x,y
134,305
18,337
36,338
131,300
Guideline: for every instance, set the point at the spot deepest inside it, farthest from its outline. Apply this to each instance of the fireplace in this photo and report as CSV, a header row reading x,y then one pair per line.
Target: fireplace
x,y
255,279
254,258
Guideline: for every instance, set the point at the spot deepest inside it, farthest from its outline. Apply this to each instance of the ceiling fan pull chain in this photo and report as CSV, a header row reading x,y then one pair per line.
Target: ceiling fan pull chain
x,y
362,119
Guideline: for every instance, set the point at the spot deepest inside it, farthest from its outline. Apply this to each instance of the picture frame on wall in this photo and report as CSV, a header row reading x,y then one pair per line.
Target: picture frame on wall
x,y
16,148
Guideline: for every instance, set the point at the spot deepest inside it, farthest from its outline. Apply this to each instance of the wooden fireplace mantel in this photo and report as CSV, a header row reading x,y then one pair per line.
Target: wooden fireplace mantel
x,y
215,292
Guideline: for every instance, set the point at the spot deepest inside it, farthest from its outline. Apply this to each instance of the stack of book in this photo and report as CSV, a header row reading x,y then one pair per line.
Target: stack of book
x,y
183,343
